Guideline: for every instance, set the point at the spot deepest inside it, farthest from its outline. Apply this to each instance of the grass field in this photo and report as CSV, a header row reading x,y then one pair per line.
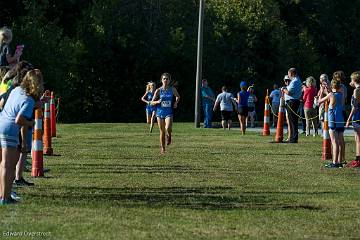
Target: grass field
x,y
108,181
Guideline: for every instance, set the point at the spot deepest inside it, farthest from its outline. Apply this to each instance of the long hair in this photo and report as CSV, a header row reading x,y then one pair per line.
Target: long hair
x,y
148,86
33,84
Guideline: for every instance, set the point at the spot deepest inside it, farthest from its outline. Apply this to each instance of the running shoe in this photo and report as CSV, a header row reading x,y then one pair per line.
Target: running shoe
x,y
7,201
23,182
354,164
333,165
14,196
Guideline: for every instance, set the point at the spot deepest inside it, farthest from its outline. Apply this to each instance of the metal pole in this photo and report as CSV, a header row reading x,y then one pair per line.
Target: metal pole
x,y
199,63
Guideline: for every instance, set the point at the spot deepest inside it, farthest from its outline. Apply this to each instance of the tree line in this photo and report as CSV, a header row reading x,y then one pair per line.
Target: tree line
x,y
98,55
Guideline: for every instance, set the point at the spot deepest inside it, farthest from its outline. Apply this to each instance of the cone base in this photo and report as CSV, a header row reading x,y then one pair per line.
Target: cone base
x,y
37,172
48,151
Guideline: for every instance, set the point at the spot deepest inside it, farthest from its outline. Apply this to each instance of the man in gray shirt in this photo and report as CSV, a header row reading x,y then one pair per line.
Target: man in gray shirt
x,y
227,102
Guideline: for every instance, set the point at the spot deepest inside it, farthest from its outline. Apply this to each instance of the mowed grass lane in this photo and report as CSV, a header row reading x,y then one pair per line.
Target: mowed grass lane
x,y
108,181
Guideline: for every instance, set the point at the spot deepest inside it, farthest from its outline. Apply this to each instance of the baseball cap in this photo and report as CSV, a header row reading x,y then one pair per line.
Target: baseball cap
x,y
243,84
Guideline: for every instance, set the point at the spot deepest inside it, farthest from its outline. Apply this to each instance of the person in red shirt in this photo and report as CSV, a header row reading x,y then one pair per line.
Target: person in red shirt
x,y
309,95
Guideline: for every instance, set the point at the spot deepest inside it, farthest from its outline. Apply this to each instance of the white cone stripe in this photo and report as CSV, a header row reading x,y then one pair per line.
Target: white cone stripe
x,y
46,114
38,124
266,119
267,107
37,145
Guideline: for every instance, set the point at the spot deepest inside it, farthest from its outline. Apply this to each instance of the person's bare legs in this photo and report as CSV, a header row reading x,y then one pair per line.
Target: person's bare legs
x,y
161,123
342,147
152,121
168,128
357,141
8,165
243,124
229,124
335,146
20,166
223,124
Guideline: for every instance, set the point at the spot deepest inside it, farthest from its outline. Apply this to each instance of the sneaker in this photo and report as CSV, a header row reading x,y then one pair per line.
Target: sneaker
x,y
7,201
14,196
333,165
23,182
354,164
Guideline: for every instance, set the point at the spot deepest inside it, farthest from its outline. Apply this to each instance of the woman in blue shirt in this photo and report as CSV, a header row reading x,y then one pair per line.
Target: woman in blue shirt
x,y
17,112
166,98
150,110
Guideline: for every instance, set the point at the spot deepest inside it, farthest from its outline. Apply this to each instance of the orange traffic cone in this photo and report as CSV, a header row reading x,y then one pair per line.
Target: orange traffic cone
x,y
326,145
279,137
47,127
52,115
37,169
266,130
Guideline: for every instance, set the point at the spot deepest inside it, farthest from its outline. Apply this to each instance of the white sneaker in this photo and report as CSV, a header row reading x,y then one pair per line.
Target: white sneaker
x,y
14,196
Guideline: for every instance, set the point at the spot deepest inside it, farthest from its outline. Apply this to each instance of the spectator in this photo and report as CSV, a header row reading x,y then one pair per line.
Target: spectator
x,y
17,110
309,110
226,102
275,103
336,124
208,100
243,109
251,105
355,116
5,54
292,98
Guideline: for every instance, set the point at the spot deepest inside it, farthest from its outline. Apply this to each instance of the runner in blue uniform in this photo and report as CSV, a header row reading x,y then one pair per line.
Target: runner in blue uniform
x,y
166,98
150,109
355,116
336,124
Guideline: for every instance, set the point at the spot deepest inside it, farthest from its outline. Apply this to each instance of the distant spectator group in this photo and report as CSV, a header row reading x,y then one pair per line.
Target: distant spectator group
x,y
20,91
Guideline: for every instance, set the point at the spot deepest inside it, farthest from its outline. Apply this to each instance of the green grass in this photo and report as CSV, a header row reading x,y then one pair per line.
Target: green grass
x,y
108,181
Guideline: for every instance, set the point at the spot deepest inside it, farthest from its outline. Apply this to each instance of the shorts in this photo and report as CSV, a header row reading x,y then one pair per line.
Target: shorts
x,y
149,110
337,129
164,113
226,115
243,110
251,109
7,141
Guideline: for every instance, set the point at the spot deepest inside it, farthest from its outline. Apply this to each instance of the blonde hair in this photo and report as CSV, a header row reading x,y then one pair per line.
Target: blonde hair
x,y
33,84
5,35
355,76
310,81
148,86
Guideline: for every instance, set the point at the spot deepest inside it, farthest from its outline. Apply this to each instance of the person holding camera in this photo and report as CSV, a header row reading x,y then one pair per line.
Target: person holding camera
x,y
292,98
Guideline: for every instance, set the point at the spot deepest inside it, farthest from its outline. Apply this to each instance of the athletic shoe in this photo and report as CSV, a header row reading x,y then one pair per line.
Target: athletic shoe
x,y
354,164
7,201
14,196
23,182
332,165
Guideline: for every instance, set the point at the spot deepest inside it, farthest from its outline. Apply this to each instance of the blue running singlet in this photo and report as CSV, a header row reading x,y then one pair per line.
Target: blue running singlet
x,y
336,117
356,116
164,109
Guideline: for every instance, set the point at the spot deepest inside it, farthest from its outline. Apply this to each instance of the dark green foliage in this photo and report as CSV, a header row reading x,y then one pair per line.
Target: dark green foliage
x,y
98,55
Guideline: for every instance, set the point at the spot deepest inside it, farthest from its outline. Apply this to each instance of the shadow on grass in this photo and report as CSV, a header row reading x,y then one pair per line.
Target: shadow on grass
x,y
198,198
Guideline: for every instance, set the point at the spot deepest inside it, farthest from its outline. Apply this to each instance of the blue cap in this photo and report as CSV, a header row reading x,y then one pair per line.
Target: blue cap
x,y
243,84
